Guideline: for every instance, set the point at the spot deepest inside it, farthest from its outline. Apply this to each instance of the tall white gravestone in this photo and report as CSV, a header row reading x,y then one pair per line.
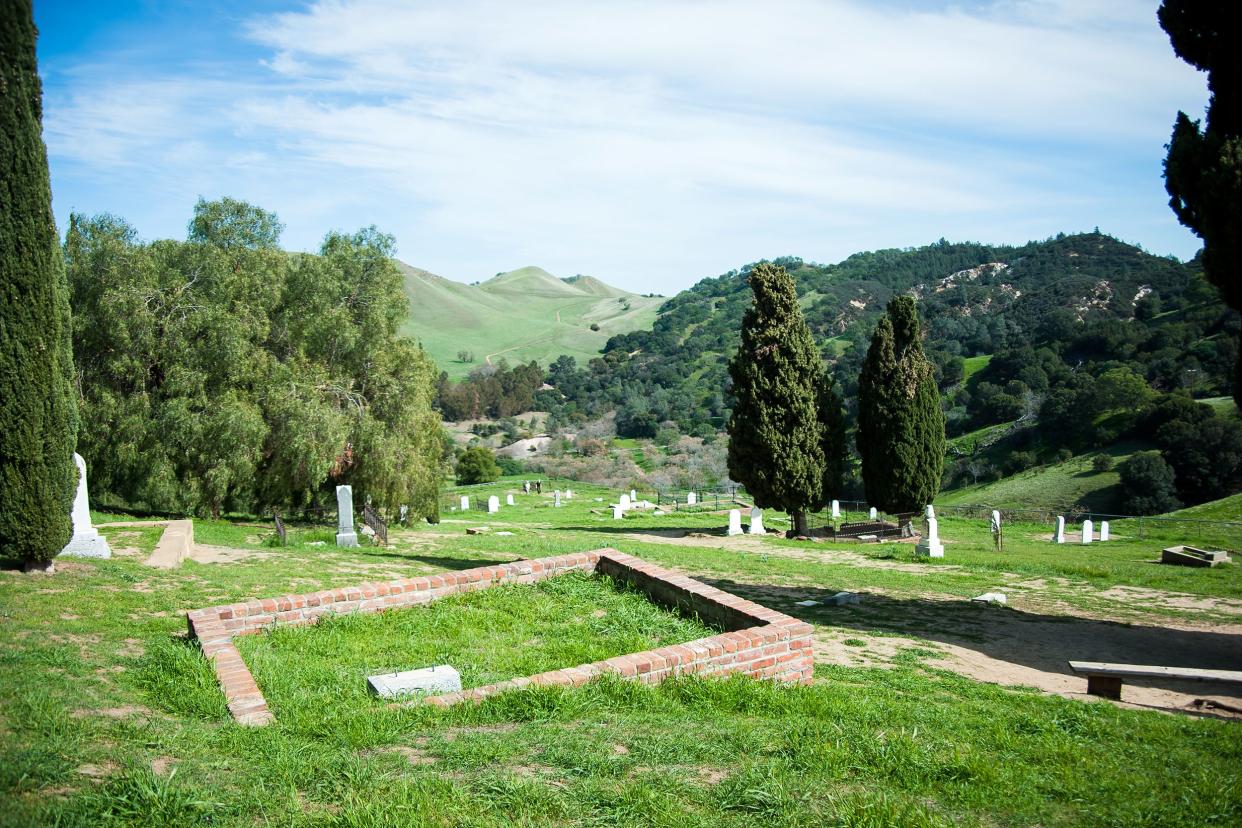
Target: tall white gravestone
x,y
1088,529
836,509
493,505
873,513
345,534
617,511
1104,531
633,496
929,512
931,545
624,502
465,503
756,522
569,494
735,522
558,498
1059,535
692,499
86,541
508,500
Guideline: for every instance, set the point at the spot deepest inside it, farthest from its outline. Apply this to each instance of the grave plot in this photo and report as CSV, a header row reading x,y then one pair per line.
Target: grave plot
x,y
554,626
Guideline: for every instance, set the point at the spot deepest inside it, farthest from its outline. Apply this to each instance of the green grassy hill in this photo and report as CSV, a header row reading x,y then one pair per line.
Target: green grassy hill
x,y
521,315
1227,508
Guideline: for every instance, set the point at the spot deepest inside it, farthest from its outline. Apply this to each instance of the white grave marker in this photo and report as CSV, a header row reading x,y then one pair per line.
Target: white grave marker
x,y
1104,531
874,514
633,496
493,505
929,512
439,679
931,545
692,499
756,522
1087,531
558,498
735,522
86,541
1059,535
509,500
624,503
617,511
836,508
345,534
465,503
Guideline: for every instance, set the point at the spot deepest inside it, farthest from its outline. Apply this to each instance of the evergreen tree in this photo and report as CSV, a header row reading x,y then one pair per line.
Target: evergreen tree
x,y
38,408
775,437
1203,170
900,423
832,441
477,465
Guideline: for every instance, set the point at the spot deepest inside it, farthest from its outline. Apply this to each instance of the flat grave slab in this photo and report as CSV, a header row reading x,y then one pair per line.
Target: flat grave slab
x,y
442,678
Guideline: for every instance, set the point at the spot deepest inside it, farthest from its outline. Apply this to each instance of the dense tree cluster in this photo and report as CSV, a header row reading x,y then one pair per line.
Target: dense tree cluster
x,y
494,391
477,464
38,410
222,373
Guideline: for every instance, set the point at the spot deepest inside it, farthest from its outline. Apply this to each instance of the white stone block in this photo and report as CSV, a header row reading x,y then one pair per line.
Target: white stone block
x,y
931,545
873,513
735,522
1088,530
557,502
509,500
633,495
836,508
617,511
493,505
624,502
756,522
929,512
345,534
439,679
1104,531
843,598
692,499
464,503
1059,535
86,542
991,598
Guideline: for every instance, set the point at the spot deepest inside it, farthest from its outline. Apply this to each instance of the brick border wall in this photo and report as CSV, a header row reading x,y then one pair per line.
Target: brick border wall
x,y
759,642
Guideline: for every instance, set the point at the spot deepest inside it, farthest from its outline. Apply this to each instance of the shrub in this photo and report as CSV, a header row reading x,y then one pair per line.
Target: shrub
x,y
1102,463
1064,455
477,465
1020,461
1147,486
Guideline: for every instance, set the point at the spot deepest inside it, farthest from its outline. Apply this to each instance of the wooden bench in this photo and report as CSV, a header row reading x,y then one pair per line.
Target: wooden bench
x,y
1105,679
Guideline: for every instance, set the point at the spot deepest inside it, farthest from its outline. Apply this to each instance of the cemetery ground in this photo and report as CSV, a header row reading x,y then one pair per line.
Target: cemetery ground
x,y
926,708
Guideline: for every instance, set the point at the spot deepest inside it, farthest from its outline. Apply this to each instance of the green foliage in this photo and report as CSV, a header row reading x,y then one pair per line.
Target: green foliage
x,y
776,441
38,407
833,444
900,424
223,374
477,465
1147,485
1203,169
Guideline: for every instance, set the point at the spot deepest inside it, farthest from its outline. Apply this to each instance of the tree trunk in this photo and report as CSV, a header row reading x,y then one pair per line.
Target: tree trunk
x,y
35,566
800,526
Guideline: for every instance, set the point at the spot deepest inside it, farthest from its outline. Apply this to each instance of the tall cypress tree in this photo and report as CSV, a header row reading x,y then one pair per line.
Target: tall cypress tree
x,y
900,423
1203,170
38,408
775,446
832,441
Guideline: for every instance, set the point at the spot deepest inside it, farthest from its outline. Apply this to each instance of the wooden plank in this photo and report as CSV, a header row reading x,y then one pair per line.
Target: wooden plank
x,y
1099,668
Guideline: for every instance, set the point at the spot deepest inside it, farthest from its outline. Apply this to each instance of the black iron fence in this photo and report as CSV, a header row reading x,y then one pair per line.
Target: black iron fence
x,y
379,527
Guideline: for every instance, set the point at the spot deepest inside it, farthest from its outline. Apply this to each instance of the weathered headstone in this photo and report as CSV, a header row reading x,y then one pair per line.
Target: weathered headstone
x,y
874,514
1104,531
735,522
439,679
86,541
633,495
991,598
756,522
618,511
493,505
509,500
558,498
465,503
997,538
1087,531
345,534
931,545
836,508
624,502
569,494
929,512
692,499
1059,535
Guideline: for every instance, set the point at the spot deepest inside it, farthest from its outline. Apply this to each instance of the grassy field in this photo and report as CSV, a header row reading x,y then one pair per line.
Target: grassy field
x,y
974,365
109,716
518,316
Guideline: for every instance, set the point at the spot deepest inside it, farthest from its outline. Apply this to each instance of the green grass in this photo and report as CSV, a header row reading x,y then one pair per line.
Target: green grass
x,y
518,316
489,636
1227,508
1224,406
1055,486
974,365
109,716
978,437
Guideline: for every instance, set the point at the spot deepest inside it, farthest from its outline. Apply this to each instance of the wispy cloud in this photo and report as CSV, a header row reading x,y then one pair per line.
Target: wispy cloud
x,y
651,143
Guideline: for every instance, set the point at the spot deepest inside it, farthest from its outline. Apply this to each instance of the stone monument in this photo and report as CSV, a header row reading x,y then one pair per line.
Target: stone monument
x,y
874,514
735,522
756,522
624,502
1104,531
86,541
465,503
558,498
1059,535
836,509
931,545
633,496
1087,530
509,500
929,512
618,511
345,534
493,505
692,499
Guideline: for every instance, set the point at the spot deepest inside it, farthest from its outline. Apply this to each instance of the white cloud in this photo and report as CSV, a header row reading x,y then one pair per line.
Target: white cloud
x,y
653,143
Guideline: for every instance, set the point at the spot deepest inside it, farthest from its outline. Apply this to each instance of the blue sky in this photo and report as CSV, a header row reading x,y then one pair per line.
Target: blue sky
x,y
650,143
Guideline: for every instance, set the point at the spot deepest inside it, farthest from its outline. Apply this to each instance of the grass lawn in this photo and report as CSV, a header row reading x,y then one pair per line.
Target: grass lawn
x,y
109,716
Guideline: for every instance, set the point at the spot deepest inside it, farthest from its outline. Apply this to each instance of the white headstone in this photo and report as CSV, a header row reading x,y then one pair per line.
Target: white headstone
x,y
1104,532
405,510
836,508
509,500
756,522
633,495
931,545
439,679
1059,535
569,494
558,498
874,515
624,503
735,522
1087,531
465,503
996,521
929,512
617,511
493,505
86,541
692,499
345,534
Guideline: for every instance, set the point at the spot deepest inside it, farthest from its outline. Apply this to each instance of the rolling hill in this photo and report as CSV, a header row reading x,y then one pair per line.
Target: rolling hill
x,y
521,315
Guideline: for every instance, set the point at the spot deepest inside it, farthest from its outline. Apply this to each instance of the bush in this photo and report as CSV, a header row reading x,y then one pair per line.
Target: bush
x,y
477,465
509,466
1147,486
1020,461
1102,463
1064,455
